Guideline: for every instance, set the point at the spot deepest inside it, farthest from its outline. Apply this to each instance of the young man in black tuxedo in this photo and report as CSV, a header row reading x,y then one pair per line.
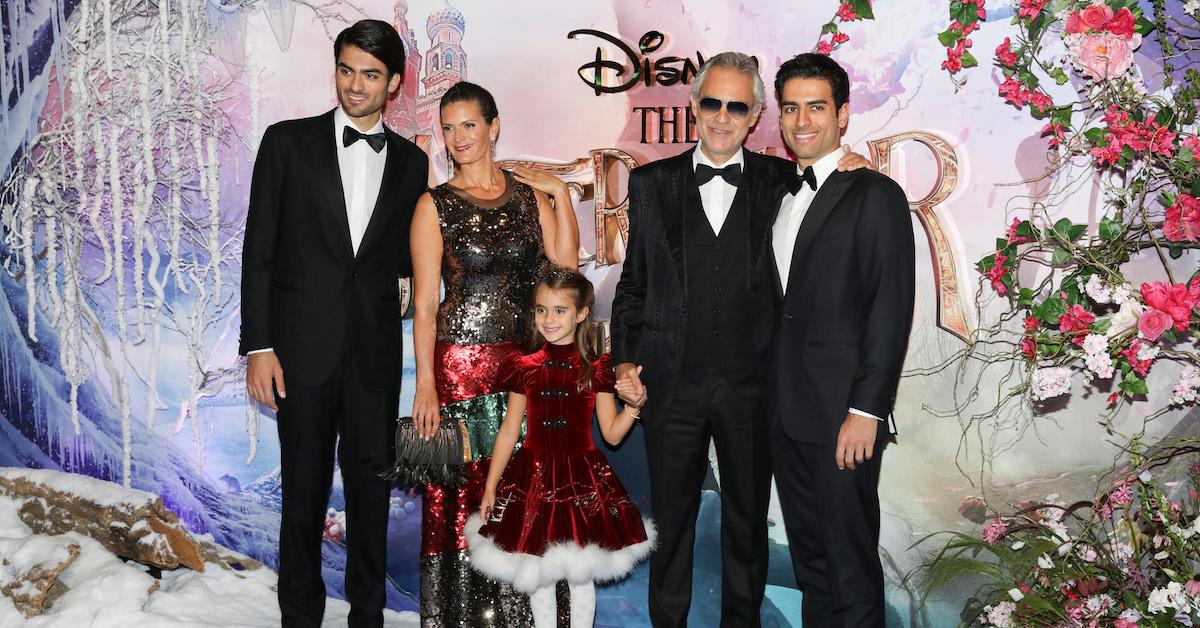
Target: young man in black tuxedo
x,y
326,244
693,308
843,250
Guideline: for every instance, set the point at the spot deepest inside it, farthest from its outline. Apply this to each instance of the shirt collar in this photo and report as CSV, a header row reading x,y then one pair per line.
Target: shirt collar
x,y
698,157
340,119
823,167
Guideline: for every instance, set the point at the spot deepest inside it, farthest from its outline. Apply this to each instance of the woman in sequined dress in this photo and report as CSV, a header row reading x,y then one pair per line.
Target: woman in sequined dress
x,y
486,234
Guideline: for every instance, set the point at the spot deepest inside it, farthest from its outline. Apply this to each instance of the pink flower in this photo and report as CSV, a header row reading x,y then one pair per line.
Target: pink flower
x,y
1173,299
1031,8
1095,16
993,531
1122,493
1111,400
1105,55
1193,144
1192,587
1055,131
970,28
1075,25
1183,219
1013,238
1005,54
1131,354
997,272
1121,24
1015,93
1076,319
1153,323
840,38
824,47
1040,101
846,13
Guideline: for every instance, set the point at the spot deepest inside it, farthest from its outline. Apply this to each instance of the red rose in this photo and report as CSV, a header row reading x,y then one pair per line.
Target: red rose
x,y
1095,16
1173,299
1121,24
1075,25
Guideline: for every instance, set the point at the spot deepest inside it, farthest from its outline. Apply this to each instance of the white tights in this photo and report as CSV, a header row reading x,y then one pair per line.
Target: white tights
x,y
583,606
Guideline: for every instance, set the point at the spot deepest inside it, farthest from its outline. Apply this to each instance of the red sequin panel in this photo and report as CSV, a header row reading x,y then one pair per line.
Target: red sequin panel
x,y
445,510
467,371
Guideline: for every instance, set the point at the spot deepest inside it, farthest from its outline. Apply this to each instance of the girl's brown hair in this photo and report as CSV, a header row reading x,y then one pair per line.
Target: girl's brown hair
x,y
587,334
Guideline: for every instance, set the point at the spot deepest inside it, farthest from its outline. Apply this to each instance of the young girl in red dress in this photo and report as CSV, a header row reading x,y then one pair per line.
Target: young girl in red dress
x,y
554,510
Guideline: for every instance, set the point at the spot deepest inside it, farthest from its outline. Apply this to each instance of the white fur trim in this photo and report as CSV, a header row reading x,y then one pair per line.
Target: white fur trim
x,y
562,561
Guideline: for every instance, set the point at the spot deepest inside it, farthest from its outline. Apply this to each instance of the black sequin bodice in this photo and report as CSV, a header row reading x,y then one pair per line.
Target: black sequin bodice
x,y
492,256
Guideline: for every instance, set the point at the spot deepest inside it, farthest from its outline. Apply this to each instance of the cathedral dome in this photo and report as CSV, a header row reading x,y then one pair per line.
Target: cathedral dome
x,y
447,15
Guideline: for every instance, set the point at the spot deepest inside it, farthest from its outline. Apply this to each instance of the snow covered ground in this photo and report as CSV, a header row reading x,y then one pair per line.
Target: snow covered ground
x,y
104,592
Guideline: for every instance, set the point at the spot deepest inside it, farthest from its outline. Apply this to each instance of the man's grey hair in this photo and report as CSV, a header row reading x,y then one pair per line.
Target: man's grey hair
x,y
736,61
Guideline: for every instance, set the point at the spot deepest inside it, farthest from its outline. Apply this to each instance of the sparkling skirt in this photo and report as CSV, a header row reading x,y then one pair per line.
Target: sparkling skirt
x,y
454,595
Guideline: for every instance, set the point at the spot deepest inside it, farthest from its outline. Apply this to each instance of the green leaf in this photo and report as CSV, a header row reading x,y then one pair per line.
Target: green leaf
x,y
1127,155
1133,385
1059,77
1144,26
1164,117
1027,230
1051,310
1093,135
1063,225
948,37
1195,190
863,9
1001,244
1039,24
1175,251
969,60
1110,229
1170,335
1025,297
1060,256
1102,325
1075,231
831,27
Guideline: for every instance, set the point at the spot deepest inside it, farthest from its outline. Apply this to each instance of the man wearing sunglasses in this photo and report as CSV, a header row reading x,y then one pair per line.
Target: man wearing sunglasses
x,y
694,308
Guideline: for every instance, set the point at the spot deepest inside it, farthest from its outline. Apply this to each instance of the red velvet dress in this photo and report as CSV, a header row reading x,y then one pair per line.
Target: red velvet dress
x,y
560,513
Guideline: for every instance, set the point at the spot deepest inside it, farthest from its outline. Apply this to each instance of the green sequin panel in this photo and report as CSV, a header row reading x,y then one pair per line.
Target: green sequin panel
x,y
481,416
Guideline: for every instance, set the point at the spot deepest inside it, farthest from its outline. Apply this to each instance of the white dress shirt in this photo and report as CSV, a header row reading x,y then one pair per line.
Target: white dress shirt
x,y
362,173
361,169
716,196
792,210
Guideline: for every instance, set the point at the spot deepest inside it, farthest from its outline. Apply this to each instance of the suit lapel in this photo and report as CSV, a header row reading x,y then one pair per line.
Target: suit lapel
x,y
329,174
672,207
826,200
391,175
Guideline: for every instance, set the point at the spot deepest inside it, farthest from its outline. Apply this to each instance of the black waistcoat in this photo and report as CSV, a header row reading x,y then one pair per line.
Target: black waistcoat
x,y
718,294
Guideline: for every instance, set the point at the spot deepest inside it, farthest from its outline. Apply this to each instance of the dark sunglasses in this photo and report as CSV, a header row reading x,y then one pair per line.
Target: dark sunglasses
x,y
736,108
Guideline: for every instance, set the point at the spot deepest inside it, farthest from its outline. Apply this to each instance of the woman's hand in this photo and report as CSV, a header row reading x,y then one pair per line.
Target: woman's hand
x,y
425,411
540,180
485,506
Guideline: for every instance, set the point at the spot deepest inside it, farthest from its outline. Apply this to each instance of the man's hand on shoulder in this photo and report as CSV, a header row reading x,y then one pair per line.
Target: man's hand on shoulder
x,y
852,161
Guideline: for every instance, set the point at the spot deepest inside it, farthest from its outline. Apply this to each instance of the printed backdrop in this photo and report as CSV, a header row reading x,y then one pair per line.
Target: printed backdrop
x,y
129,133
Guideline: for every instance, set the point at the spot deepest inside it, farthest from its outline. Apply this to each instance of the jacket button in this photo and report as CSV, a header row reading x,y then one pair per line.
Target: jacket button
x,y
788,317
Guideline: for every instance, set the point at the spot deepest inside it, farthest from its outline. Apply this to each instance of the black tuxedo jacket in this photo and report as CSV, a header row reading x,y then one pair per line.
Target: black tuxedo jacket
x,y
649,308
304,291
844,322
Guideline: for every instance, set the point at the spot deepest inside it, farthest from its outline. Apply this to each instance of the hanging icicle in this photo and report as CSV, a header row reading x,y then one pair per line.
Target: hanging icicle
x,y
28,198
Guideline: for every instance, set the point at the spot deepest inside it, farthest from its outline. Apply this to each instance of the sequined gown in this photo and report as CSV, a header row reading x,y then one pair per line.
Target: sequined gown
x,y
492,258
560,512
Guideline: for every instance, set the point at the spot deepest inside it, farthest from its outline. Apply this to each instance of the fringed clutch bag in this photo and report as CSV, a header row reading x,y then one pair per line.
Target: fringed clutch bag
x,y
438,460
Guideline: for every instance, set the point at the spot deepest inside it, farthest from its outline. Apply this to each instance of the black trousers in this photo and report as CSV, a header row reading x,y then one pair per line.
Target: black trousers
x,y
832,522
677,445
361,423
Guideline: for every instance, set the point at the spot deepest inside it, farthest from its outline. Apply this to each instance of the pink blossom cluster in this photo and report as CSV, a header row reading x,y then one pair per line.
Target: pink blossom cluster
x,y
1168,306
1188,388
1029,339
997,272
1101,41
1005,54
1076,319
1123,130
1050,382
954,54
993,531
1096,357
1031,8
1183,219
826,46
846,13
1016,93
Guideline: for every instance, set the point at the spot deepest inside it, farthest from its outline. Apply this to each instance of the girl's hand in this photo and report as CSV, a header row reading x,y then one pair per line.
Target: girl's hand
x,y
425,411
485,507
632,393
540,180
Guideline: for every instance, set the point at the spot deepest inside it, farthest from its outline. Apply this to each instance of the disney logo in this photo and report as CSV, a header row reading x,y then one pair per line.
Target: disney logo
x,y
605,75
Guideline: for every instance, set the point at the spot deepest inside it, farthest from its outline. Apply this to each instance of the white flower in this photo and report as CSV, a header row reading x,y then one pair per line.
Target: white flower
x,y
1145,476
1096,289
1125,319
1016,594
1147,352
1123,294
1131,614
1192,8
1099,603
1171,596
1019,544
1000,614
1050,382
1186,390
1044,562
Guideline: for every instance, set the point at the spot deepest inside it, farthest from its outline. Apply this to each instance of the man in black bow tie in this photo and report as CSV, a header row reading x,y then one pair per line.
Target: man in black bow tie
x,y
693,307
843,252
326,244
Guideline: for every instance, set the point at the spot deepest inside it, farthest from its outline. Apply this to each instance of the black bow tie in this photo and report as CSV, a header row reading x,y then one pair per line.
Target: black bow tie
x,y
798,180
731,173
351,135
